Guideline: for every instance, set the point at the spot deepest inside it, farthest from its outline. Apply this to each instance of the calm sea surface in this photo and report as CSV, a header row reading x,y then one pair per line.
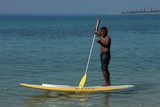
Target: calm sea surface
x,y
54,50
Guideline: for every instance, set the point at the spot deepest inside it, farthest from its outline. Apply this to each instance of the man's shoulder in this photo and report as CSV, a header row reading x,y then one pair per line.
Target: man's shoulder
x,y
108,37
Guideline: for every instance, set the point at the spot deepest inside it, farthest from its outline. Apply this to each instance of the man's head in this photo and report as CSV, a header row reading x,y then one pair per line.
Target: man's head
x,y
104,31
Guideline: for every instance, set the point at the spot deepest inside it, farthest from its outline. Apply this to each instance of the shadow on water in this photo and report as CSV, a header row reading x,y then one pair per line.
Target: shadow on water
x,y
54,99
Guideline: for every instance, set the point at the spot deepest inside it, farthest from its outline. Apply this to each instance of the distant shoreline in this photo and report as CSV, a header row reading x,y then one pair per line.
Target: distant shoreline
x,y
144,11
120,13
140,13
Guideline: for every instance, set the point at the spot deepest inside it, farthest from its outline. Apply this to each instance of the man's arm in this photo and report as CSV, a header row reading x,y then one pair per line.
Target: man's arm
x,y
98,33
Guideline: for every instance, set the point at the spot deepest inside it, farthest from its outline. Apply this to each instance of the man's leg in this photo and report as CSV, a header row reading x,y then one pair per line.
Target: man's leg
x,y
106,76
105,58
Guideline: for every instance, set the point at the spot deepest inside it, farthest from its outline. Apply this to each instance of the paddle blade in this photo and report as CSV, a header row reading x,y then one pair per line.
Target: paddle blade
x,y
83,80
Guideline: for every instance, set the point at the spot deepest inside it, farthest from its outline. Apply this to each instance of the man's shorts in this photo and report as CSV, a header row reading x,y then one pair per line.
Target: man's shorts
x,y
105,58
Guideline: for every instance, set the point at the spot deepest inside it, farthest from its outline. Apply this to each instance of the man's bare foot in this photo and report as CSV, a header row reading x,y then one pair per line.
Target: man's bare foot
x,y
105,84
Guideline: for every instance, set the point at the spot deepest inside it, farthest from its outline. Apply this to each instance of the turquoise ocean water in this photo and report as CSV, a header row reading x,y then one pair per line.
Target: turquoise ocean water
x,y
54,49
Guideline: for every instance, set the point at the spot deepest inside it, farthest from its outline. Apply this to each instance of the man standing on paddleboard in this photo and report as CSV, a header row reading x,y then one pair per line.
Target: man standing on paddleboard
x,y
105,56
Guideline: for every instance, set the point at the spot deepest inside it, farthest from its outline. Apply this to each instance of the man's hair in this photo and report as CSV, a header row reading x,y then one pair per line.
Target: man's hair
x,y
104,28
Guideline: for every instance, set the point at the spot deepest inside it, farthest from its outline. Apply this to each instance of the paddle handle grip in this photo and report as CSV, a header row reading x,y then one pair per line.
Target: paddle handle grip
x,y
97,24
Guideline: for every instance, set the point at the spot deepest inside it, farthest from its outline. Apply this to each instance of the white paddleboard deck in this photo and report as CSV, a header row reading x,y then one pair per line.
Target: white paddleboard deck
x,y
67,88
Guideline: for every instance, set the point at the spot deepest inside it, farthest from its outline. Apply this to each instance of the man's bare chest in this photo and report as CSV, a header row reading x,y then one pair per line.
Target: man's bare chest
x,y
103,39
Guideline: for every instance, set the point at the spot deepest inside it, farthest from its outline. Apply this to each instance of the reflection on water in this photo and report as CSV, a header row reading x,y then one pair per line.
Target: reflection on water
x,y
53,99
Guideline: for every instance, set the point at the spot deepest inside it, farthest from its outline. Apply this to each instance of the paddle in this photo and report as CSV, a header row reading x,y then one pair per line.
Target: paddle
x,y
83,80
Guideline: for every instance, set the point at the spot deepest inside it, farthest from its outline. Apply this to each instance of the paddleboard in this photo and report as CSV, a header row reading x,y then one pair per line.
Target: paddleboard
x,y
67,88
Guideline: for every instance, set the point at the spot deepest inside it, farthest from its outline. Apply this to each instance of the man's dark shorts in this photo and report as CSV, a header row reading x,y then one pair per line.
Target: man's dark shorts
x,y
105,58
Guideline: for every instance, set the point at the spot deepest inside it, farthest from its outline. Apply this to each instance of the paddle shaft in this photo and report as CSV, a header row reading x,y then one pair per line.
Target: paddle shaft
x,y
96,29
83,80
90,53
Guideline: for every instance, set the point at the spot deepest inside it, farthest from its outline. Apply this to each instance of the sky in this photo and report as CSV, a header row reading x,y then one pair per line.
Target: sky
x,y
74,6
